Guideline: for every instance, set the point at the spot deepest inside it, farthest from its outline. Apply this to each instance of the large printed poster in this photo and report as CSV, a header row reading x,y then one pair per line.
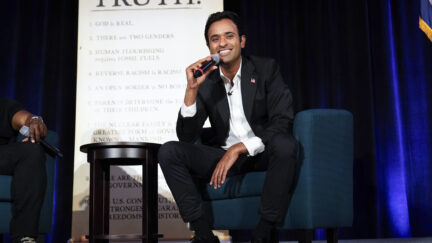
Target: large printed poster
x,y
132,56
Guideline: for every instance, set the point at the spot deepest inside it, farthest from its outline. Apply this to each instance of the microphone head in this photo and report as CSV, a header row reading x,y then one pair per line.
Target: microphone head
x,y
216,58
25,131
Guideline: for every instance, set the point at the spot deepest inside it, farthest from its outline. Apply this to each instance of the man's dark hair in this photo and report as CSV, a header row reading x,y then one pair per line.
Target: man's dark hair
x,y
223,15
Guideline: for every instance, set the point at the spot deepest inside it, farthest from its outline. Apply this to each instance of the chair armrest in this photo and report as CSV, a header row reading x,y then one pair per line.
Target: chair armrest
x,y
325,182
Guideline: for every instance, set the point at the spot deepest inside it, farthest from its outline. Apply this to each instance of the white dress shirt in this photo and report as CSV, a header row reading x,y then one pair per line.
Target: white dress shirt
x,y
240,130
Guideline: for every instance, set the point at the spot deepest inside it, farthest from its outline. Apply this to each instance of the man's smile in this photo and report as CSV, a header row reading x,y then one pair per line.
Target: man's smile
x,y
224,52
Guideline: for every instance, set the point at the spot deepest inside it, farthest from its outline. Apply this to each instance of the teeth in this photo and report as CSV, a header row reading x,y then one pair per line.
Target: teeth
x,y
224,51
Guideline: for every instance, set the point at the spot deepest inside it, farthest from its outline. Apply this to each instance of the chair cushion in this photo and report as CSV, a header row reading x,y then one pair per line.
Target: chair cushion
x,y
6,215
237,213
323,197
5,188
244,185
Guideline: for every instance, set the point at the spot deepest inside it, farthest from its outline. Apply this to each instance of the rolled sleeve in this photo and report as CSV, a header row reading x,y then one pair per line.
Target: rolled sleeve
x,y
254,145
188,111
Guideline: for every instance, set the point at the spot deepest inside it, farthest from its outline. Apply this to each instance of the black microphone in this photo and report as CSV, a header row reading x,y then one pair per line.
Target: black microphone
x,y
207,65
25,131
229,93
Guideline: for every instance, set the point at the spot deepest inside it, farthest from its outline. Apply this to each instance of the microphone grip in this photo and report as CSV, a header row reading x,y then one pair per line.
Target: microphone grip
x,y
198,73
206,66
52,149
25,131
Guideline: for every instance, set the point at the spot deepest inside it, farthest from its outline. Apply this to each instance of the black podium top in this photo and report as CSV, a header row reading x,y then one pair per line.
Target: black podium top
x,y
84,148
118,150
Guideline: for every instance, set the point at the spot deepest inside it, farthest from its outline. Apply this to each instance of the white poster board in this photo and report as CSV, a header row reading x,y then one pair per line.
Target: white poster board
x,y
130,85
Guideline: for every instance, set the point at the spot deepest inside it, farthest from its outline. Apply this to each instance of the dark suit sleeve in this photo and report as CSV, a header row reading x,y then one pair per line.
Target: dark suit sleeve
x,y
279,105
189,128
12,108
8,109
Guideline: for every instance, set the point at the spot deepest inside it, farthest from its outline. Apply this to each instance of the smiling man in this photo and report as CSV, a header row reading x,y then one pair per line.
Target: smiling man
x,y
250,110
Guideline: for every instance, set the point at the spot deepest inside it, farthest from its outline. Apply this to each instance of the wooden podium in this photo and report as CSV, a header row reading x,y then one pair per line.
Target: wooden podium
x,y
101,156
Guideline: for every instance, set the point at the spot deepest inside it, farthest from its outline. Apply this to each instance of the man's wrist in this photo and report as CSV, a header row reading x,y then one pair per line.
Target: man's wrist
x,y
240,148
190,96
254,145
30,118
35,118
189,88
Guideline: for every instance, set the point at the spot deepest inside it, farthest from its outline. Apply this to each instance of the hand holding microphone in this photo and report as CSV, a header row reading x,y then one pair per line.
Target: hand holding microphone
x,y
25,131
37,128
207,65
196,74
198,71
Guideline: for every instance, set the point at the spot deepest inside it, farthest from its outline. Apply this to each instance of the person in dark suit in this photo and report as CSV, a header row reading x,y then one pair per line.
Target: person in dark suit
x,y
25,162
250,110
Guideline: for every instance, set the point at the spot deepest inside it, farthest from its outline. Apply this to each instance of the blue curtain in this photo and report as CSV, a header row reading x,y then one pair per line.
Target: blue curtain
x,y
402,122
371,58
37,68
366,56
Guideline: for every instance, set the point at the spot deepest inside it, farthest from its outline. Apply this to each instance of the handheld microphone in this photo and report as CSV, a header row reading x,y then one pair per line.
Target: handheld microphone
x,y
25,131
207,65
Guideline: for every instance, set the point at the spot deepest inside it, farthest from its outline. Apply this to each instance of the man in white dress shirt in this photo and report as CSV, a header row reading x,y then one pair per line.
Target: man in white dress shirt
x,y
250,110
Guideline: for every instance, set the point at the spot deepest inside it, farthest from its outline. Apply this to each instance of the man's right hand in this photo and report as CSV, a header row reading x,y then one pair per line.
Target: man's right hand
x,y
194,83
36,125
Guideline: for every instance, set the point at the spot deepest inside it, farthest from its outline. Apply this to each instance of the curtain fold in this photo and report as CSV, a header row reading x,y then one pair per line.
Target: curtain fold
x,y
370,58
38,68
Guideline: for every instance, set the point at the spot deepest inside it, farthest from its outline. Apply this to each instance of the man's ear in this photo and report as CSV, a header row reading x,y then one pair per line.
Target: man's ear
x,y
242,41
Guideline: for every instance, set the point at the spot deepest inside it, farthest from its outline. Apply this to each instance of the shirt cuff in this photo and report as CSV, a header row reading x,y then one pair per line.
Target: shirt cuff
x,y
188,111
254,145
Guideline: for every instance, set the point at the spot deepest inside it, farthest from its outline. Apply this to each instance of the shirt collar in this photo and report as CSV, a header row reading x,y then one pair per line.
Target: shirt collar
x,y
238,74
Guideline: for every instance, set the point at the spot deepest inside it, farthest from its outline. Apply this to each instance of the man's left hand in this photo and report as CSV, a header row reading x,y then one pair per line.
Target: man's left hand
x,y
227,161
37,127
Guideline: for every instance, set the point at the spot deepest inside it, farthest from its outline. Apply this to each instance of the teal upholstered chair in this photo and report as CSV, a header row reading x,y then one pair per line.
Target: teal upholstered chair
x,y
323,197
47,207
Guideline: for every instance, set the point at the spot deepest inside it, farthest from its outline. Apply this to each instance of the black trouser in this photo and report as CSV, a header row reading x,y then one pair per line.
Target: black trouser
x,y
181,161
25,162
